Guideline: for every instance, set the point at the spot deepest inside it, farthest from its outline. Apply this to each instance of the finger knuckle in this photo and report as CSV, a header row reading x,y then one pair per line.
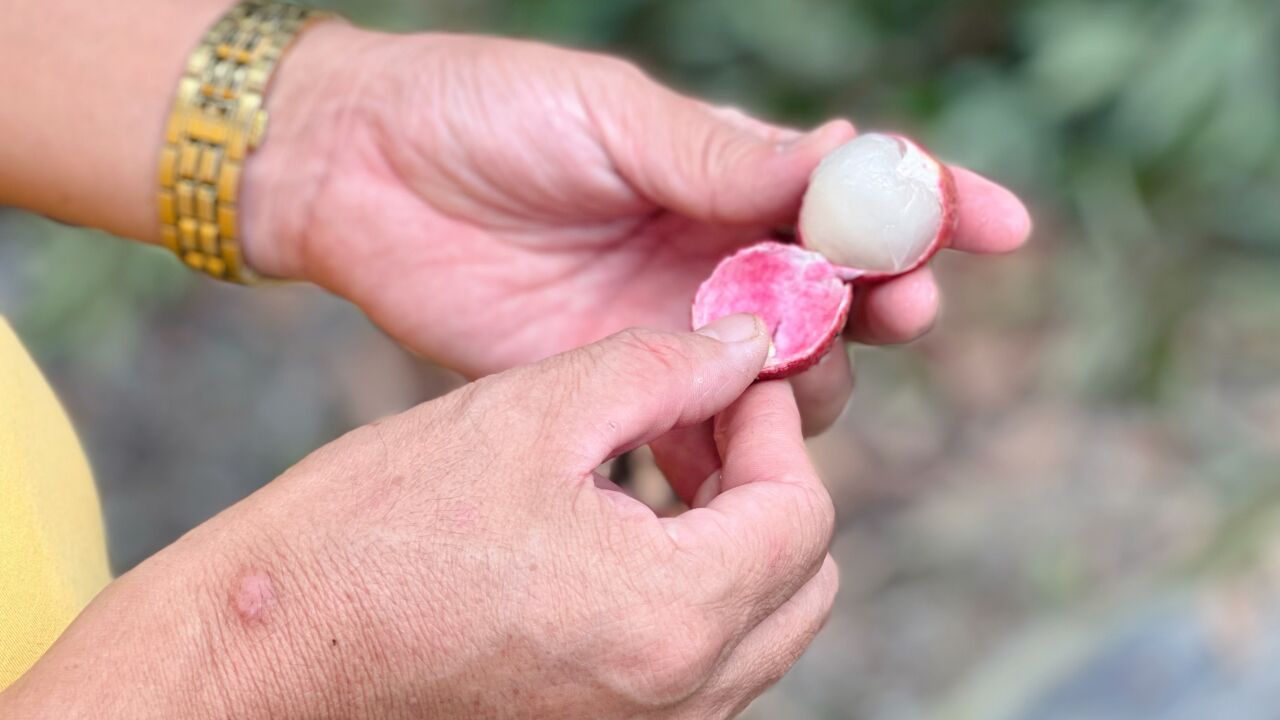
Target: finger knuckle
x,y
651,353
812,515
818,513
677,665
622,69
828,580
801,547
666,661
774,668
755,675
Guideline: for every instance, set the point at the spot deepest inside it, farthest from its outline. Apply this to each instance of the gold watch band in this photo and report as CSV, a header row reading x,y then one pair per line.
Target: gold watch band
x,y
217,119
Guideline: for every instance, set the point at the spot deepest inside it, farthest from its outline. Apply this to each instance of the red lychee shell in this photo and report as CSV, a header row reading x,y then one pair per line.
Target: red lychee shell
x,y
796,292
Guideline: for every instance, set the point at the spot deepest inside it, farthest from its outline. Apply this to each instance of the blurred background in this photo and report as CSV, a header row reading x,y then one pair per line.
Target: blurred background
x,y
1064,503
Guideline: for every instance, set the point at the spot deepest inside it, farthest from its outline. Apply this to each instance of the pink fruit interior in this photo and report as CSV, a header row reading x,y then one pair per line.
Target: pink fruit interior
x,y
795,291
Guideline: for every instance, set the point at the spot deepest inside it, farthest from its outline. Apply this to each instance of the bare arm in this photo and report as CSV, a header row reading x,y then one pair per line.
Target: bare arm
x,y
87,92
399,572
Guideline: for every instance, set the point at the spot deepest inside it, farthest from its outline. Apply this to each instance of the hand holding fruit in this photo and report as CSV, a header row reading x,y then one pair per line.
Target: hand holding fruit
x,y
463,559
491,202
877,207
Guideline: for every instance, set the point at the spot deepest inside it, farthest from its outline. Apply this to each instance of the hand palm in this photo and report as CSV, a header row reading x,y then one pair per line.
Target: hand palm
x,y
490,202
499,297
507,232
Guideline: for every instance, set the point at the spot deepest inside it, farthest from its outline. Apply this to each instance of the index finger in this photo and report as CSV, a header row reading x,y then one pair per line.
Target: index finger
x,y
767,530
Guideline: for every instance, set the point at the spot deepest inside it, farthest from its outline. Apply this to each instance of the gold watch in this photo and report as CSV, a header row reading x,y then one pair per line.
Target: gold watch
x,y
218,118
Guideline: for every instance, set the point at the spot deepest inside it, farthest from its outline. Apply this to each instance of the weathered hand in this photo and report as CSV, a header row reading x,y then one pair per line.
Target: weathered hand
x,y
490,202
463,559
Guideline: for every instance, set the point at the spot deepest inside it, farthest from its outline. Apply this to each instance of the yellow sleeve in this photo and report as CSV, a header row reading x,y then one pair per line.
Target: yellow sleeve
x,y
53,556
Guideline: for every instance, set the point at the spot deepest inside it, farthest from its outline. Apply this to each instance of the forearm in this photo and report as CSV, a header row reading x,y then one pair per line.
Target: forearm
x,y
214,626
87,95
139,650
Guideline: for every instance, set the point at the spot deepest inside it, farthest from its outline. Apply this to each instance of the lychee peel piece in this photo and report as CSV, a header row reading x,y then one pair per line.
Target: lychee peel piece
x,y
798,294
878,206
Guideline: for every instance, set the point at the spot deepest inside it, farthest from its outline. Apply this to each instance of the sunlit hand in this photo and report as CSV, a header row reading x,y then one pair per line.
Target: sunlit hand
x,y
463,559
489,202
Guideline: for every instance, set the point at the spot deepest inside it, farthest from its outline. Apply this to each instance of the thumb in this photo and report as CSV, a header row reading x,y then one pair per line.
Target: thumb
x,y
636,385
712,164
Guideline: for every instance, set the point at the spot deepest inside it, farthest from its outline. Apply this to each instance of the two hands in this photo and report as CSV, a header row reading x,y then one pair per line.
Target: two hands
x,y
491,203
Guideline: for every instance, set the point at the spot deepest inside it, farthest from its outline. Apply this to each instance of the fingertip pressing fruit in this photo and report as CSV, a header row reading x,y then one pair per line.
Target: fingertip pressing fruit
x,y
796,292
877,206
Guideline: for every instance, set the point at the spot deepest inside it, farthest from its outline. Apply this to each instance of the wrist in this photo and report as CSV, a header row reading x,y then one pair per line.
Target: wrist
x,y
315,92
140,649
194,632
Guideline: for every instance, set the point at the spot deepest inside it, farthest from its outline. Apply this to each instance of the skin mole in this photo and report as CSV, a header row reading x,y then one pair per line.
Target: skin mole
x,y
252,597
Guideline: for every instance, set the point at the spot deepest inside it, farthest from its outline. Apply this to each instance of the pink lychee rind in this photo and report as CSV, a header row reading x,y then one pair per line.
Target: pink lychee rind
x,y
796,292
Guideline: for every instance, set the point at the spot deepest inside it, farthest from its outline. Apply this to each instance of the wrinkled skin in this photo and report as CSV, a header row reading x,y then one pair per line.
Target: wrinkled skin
x,y
461,560
489,202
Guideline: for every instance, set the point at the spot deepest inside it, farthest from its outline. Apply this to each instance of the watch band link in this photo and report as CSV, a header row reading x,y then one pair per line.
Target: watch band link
x,y
217,119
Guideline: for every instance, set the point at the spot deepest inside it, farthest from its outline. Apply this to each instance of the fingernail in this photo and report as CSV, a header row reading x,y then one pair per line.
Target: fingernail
x,y
709,489
734,328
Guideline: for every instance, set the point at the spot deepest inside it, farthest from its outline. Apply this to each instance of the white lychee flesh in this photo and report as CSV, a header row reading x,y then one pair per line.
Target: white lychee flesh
x,y
878,205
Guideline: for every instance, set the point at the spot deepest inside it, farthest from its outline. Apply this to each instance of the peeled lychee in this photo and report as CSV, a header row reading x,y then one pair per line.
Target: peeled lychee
x,y
796,292
877,206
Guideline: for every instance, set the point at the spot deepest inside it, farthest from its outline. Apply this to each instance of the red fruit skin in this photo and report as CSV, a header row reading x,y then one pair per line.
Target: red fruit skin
x,y
800,364
782,284
947,195
827,318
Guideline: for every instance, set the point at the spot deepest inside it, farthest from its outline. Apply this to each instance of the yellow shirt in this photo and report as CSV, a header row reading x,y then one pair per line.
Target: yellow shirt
x,y
53,557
